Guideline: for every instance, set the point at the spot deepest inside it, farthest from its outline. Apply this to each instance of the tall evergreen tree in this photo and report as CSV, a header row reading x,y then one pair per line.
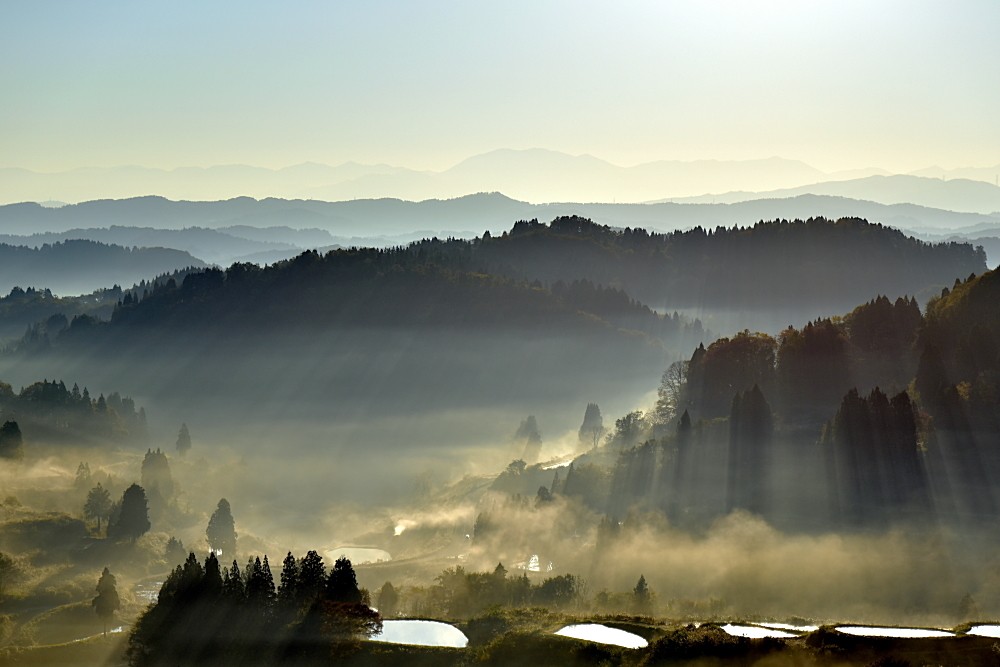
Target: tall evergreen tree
x,y
221,529
174,552
83,480
233,587
387,601
288,591
641,596
183,440
211,583
133,519
312,577
106,603
156,474
592,428
529,434
342,583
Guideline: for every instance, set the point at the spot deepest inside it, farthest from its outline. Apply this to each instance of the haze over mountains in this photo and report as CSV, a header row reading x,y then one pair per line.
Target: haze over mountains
x,y
960,194
534,175
462,216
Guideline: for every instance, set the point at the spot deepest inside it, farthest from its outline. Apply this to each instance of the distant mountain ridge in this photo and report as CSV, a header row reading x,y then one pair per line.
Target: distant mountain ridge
x,y
473,213
533,175
961,194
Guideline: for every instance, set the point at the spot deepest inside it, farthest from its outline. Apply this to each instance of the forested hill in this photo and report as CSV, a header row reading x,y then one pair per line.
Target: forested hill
x,y
80,267
378,288
832,265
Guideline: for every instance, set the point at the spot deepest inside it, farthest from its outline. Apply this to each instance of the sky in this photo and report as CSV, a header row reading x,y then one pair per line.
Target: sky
x,y
837,84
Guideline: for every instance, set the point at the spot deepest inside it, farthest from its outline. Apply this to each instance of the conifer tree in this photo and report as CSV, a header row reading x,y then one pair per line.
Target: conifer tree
x,y
106,603
312,577
387,600
342,584
183,440
98,505
133,519
211,583
641,595
83,477
288,591
233,587
592,428
156,473
174,552
221,529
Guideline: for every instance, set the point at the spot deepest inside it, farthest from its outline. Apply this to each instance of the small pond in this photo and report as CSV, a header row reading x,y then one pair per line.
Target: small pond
x,y
985,631
754,632
900,633
421,633
358,555
602,634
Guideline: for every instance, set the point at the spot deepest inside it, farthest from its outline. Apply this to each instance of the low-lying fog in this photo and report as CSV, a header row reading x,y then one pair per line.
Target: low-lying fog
x,y
363,439
354,417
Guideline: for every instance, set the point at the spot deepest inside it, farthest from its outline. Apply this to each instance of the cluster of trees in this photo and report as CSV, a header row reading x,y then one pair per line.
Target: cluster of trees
x,y
530,437
48,411
461,594
206,612
804,372
958,374
876,473
742,407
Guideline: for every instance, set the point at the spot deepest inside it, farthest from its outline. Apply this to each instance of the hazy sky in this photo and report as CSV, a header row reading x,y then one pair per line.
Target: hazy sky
x,y
839,84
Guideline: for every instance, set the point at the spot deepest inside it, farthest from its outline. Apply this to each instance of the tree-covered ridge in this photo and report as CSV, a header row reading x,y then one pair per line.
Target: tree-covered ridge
x,y
877,413
79,266
49,412
767,265
381,287
40,315
805,372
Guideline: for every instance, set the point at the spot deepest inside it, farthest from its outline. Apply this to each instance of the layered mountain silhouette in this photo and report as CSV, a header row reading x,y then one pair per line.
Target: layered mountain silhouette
x,y
961,194
463,216
533,175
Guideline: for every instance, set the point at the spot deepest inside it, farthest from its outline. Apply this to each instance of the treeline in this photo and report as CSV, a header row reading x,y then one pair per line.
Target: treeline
x,y
38,316
377,287
545,276
49,412
768,265
208,613
80,266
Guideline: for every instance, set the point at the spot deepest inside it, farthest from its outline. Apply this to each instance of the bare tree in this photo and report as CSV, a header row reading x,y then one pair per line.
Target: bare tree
x,y
671,392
